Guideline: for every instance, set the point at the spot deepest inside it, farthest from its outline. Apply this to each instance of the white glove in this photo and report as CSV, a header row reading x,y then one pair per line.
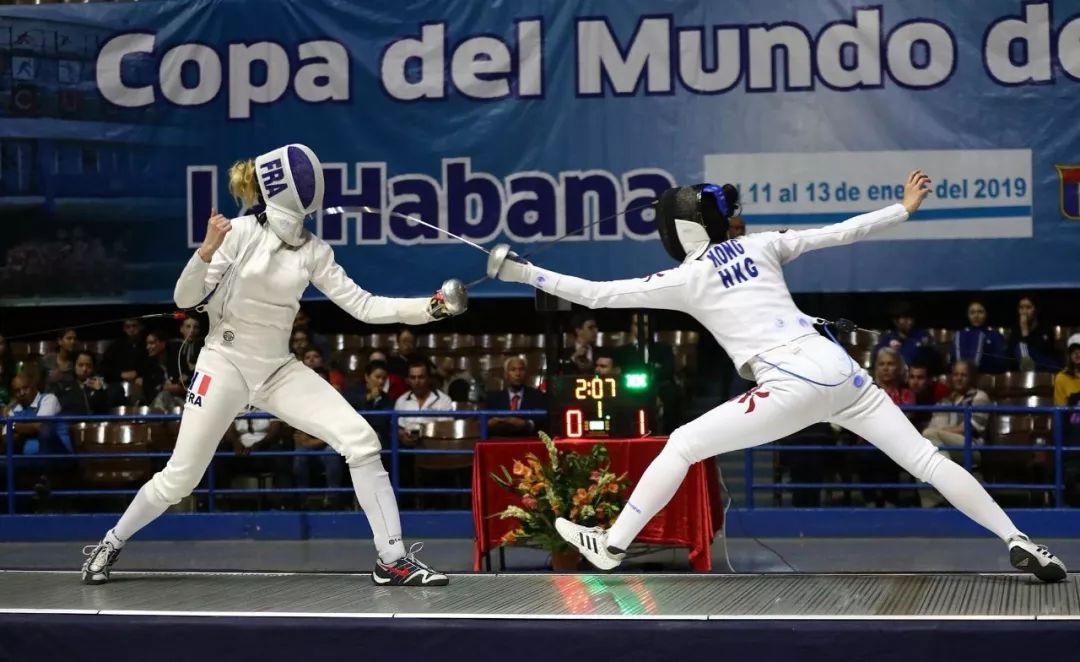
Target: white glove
x,y
507,266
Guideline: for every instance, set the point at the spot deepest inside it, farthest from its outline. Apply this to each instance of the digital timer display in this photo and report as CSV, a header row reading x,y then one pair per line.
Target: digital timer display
x,y
597,406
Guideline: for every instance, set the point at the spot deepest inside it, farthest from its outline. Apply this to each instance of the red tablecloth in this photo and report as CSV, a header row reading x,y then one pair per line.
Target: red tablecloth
x,y
691,519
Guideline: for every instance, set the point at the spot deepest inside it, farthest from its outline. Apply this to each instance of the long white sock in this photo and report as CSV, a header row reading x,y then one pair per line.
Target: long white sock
x,y
376,497
656,487
966,495
142,510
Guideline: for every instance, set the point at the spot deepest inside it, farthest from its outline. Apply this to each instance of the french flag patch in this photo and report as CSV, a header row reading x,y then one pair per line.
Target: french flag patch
x,y
200,383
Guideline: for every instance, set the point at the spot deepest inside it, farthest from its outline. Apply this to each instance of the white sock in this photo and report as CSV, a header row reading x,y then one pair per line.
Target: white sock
x,y
376,497
142,510
110,537
656,487
966,495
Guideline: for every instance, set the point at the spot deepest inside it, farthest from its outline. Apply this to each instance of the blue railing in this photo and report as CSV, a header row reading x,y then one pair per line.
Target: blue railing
x,y
395,452
969,447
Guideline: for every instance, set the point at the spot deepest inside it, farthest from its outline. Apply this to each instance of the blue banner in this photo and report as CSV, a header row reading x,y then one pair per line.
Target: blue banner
x,y
523,122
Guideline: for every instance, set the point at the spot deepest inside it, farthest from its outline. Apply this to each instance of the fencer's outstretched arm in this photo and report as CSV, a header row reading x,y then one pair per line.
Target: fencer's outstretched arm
x,y
661,290
790,245
328,276
202,274
793,243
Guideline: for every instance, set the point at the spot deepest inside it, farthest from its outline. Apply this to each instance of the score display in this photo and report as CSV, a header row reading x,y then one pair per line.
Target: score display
x,y
585,406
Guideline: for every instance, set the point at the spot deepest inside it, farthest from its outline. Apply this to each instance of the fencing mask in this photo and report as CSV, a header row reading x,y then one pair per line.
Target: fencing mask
x,y
691,218
291,183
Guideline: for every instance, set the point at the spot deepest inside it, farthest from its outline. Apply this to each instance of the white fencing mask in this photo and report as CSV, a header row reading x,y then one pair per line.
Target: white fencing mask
x,y
291,183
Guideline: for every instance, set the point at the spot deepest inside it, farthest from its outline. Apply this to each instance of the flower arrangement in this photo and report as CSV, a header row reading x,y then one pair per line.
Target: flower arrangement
x,y
577,486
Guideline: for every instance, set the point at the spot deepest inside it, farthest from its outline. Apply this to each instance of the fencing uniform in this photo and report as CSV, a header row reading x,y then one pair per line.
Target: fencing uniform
x,y
254,283
736,289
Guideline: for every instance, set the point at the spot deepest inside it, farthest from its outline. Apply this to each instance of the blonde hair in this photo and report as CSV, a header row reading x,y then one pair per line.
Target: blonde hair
x,y
242,183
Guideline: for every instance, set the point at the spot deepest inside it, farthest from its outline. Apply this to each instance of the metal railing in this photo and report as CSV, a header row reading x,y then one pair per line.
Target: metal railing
x,y
211,491
397,450
968,448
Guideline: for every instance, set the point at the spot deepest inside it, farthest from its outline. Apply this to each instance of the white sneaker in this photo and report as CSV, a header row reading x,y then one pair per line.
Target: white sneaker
x,y
1036,559
592,543
99,561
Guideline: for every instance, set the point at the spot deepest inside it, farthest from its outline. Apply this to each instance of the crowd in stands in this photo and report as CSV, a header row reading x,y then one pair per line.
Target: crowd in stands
x,y
143,370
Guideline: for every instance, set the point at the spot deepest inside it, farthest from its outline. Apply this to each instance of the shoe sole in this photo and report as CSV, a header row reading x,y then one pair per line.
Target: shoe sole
x,y
379,581
568,531
90,581
1025,561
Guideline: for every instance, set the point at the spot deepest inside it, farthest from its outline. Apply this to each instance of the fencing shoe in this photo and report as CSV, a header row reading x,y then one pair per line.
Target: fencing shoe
x,y
1036,559
592,543
99,561
408,571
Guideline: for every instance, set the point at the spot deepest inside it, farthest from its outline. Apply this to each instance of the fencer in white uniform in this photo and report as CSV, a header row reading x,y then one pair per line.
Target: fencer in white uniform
x,y
251,272
735,288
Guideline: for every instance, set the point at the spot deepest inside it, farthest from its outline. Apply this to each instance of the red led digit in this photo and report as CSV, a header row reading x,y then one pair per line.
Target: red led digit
x,y
573,423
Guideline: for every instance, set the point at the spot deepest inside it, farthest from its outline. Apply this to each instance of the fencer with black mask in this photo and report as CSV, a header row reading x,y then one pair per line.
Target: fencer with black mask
x,y
736,289
250,273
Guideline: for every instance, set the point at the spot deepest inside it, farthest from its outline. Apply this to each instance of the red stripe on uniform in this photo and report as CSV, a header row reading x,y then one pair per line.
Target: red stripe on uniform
x,y
204,385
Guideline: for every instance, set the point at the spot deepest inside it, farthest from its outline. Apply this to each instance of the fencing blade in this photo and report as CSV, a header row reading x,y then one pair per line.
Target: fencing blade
x,y
372,210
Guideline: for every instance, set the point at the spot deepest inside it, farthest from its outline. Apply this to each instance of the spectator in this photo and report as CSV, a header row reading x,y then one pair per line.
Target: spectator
x,y
159,376
736,227
7,370
313,358
890,375
395,385
188,347
947,427
606,363
927,392
580,358
458,384
421,397
317,456
299,343
371,396
59,366
269,435
515,396
87,394
404,353
1067,394
36,438
125,355
914,345
1067,382
978,343
302,321
1031,344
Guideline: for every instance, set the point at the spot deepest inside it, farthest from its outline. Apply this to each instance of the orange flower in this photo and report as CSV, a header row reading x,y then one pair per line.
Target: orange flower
x,y
556,505
538,487
509,539
581,496
612,487
573,513
535,465
521,470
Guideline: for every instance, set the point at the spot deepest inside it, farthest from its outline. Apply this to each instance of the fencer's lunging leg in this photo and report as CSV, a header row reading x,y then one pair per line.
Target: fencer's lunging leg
x,y
304,400
875,418
768,412
207,415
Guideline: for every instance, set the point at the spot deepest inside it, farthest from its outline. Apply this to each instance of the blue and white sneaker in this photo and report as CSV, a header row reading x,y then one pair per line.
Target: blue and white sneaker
x,y
408,571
